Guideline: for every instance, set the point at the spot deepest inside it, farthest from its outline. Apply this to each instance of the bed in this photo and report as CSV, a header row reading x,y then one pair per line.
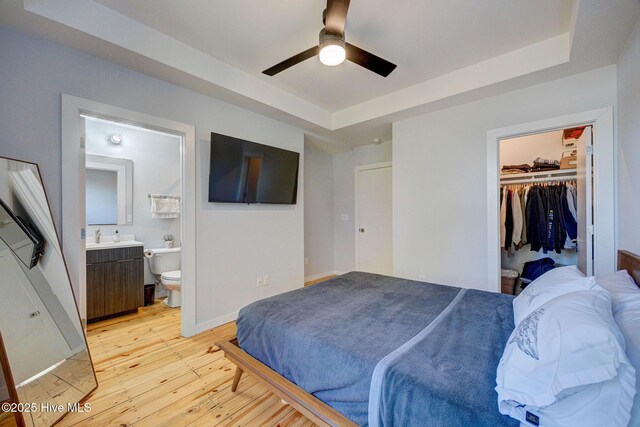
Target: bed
x,y
364,349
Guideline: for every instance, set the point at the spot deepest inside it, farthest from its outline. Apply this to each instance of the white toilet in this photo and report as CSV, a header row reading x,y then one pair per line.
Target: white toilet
x,y
165,264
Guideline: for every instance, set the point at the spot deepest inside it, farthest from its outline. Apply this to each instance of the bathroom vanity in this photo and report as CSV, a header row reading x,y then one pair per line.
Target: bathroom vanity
x,y
115,279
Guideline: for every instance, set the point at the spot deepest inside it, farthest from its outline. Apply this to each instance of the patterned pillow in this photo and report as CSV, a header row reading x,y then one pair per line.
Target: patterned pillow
x,y
550,285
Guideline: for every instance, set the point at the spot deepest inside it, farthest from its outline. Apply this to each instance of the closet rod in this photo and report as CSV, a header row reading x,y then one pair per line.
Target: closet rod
x,y
534,180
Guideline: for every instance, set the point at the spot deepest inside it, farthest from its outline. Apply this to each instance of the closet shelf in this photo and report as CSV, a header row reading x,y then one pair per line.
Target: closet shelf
x,y
539,176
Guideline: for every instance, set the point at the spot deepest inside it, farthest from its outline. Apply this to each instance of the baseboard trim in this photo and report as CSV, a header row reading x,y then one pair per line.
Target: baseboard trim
x,y
218,321
318,276
321,275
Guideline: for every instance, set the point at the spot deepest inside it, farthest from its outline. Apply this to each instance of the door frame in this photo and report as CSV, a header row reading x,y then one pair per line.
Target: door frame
x,y
356,181
73,189
604,196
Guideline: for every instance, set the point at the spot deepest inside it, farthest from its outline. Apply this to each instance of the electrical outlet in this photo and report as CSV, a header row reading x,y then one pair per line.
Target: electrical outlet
x,y
259,282
265,280
422,277
344,217
306,261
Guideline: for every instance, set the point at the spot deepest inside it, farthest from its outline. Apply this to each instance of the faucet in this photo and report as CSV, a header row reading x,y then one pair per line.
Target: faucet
x,y
98,235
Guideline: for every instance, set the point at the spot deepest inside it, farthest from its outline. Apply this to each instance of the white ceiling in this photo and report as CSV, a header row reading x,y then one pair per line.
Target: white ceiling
x,y
425,38
447,51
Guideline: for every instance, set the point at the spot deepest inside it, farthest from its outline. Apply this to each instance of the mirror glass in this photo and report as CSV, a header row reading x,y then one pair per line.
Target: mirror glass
x,y
109,190
42,343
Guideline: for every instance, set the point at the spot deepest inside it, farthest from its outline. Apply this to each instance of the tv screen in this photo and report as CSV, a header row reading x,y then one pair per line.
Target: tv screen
x,y
22,237
247,172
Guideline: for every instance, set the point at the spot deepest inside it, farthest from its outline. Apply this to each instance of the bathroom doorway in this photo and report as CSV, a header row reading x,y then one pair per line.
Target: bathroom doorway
x,y
104,173
133,205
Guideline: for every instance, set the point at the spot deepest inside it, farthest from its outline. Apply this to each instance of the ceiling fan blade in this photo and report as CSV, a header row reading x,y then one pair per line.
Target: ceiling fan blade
x,y
369,60
336,17
295,59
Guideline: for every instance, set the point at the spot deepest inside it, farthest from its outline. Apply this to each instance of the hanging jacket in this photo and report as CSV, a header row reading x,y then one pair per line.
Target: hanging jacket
x,y
536,218
523,234
503,216
508,238
570,223
516,210
560,231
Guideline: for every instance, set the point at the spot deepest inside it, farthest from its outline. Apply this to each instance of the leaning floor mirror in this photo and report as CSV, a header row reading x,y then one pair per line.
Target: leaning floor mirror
x,y
46,366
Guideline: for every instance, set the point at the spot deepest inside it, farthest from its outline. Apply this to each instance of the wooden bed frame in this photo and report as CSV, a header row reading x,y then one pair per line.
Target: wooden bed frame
x,y
630,262
309,405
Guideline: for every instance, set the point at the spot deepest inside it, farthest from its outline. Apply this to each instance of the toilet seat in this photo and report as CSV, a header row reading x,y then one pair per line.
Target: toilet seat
x,y
171,276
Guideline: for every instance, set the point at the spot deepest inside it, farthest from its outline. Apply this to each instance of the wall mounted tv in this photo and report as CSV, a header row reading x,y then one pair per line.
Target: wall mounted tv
x,y
246,172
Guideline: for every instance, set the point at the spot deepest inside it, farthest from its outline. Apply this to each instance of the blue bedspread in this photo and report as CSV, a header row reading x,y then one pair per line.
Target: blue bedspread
x,y
431,350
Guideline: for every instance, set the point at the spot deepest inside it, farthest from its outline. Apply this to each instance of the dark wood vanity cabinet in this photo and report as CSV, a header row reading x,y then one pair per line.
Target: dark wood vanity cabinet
x,y
115,281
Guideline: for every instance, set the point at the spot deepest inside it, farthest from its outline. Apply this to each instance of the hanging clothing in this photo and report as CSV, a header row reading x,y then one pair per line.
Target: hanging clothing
x,y
538,215
572,201
508,224
570,223
523,235
503,216
516,210
536,219
556,232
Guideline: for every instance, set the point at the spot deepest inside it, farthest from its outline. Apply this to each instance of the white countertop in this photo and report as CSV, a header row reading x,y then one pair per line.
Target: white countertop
x,y
106,242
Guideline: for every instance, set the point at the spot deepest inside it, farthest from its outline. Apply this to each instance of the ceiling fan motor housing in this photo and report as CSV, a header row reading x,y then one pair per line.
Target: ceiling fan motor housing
x,y
331,48
326,39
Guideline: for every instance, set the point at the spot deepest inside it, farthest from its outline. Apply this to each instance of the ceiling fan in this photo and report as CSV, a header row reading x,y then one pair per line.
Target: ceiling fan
x,y
332,48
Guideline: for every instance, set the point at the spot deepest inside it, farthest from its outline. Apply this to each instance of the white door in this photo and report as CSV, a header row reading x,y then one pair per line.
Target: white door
x,y
585,202
373,220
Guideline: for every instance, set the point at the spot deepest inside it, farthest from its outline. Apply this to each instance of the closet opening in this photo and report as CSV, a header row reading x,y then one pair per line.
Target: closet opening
x,y
546,207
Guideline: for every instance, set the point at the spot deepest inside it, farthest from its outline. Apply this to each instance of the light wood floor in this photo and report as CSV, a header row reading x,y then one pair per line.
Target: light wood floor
x,y
149,375
322,279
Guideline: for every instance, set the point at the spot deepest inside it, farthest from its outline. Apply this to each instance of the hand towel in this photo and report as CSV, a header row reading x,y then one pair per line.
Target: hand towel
x,y
164,206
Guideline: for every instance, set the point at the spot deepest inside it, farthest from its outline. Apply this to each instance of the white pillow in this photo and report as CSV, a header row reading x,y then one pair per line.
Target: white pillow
x,y
622,287
550,285
628,320
565,365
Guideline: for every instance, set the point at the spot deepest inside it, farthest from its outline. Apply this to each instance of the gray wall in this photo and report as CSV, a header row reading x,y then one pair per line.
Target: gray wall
x,y
235,243
344,243
318,212
629,144
440,174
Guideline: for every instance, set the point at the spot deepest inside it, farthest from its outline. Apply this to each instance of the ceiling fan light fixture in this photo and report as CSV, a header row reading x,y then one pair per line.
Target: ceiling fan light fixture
x,y
332,50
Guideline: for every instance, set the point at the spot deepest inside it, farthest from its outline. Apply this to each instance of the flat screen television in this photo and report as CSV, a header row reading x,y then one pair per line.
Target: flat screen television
x,y
247,172
22,237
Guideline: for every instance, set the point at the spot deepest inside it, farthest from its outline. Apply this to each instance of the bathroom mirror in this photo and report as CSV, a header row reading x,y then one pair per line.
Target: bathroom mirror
x,y
109,190
43,350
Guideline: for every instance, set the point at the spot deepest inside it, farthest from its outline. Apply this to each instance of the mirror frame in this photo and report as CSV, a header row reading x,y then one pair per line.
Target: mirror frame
x,y
10,383
124,170
4,359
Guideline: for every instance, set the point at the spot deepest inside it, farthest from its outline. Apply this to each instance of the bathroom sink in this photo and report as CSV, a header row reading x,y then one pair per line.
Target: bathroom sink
x,y
112,245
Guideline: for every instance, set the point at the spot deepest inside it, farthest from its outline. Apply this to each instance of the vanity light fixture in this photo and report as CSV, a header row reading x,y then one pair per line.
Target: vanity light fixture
x,y
116,138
